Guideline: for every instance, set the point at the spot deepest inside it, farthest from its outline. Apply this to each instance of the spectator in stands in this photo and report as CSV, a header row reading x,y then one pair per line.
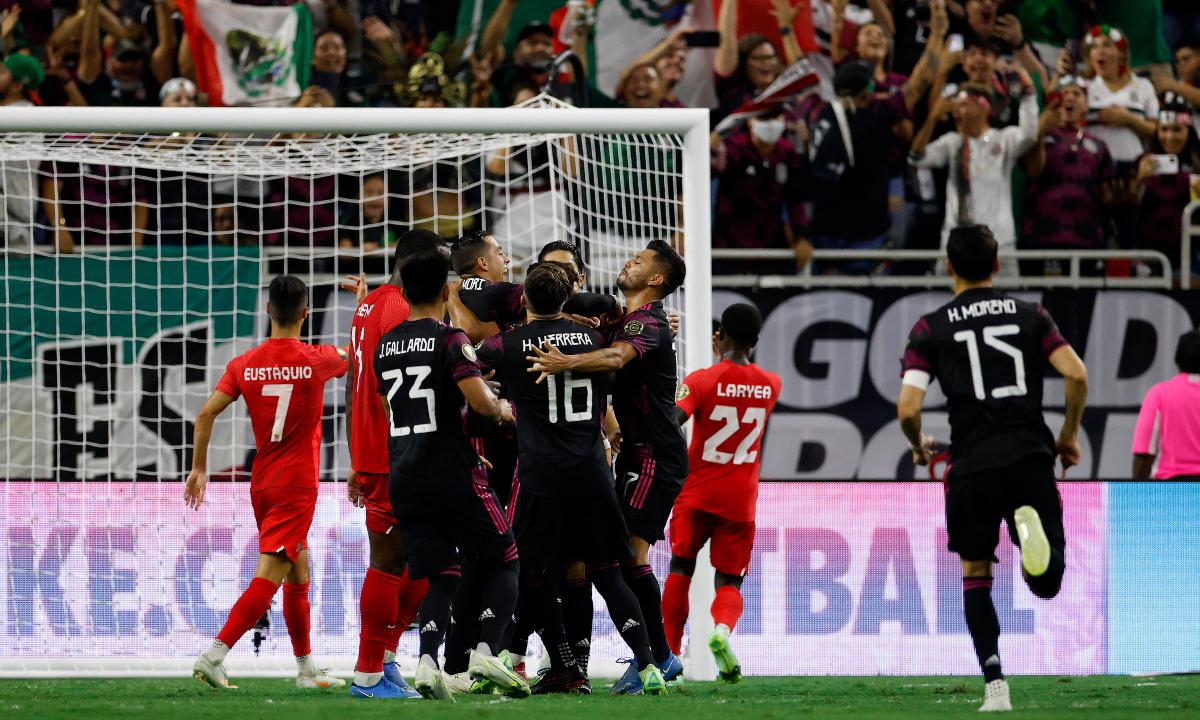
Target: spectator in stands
x,y
1163,190
985,21
1168,425
669,58
746,65
20,75
1070,170
130,76
760,199
980,64
1187,64
92,205
428,86
981,160
643,88
1126,103
851,152
329,62
531,57
366,224
178,92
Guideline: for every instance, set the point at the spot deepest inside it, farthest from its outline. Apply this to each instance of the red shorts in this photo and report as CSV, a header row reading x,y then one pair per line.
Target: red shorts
x,y
379,506
284,515
732,540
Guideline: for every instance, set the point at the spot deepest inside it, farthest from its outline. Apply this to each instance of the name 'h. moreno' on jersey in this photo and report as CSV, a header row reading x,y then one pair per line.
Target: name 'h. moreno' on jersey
x,y
283,382
560,451
417,367
988,351
729,405
376,315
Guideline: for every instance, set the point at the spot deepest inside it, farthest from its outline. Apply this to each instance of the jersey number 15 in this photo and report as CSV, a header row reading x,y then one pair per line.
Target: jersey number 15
x,y
991,338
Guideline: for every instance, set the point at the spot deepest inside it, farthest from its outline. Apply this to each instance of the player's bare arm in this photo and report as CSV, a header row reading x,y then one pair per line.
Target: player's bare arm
x,y
908,409
1066,361
197,480
551,361
484,402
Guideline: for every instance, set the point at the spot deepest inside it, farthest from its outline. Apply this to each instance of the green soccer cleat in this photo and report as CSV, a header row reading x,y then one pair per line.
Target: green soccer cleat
x,y
1035,546
727,663
652,681
484,666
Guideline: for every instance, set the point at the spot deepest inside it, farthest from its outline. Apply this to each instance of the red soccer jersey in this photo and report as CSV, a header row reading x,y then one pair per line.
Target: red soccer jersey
x,y
382,310
283,381
729,405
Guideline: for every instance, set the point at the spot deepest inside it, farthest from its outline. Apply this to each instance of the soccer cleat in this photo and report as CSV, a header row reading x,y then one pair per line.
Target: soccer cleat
x,y
652,681
671,668
1035,546
629,683
460,683
430,681
519,669
727,663
483,666
995,697
383,690
566,680
211,673
320,679
391,671
484,687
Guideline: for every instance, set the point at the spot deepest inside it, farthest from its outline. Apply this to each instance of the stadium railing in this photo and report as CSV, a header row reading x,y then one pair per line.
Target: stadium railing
x,y
1189,230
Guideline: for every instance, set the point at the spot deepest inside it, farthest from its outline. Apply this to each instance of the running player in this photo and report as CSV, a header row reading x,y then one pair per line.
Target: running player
x,y
731,402
988,352
566,510
427,374
283,382
390,598
652,464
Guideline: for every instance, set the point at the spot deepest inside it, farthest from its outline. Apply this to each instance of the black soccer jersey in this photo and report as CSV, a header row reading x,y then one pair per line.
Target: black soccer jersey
x,y
593,305
418,365
644,393
988,352
559,420
498,302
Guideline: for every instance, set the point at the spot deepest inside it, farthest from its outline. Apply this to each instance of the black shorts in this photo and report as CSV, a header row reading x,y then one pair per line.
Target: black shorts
x,y
647,487
977,502
458,515
554,531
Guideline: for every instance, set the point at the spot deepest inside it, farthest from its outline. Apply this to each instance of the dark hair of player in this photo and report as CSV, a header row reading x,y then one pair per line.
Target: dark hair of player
x,y
547,287
423,277
742,323
1187,353
565,247
670,264
287,296
972,252
466,250
412,243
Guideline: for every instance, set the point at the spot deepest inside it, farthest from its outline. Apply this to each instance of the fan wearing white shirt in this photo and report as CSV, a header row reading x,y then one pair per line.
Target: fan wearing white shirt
x,y
1122,107
979,187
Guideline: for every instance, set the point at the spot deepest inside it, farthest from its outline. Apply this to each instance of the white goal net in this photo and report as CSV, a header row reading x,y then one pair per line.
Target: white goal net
x,y
136,253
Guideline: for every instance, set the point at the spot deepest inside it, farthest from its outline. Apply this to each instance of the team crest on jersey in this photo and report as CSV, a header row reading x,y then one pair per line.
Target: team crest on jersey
x,y
633,327
468,352
682,392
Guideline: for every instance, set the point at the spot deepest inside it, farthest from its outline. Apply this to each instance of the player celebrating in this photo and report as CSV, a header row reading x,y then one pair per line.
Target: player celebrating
x,y
652,464
389,598
283,382
567,509
987,350
731,402
427,373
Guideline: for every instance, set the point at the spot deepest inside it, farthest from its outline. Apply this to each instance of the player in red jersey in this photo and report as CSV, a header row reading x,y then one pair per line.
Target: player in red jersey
x,y
730,402
390,598
283,382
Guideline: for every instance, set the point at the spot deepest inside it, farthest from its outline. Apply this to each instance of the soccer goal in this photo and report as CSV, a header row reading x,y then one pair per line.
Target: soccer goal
x,y
137,248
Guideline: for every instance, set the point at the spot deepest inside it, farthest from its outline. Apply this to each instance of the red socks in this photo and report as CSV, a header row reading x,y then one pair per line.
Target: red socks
x,y
255,601
727,606
295,615
675,609
410,595
377,610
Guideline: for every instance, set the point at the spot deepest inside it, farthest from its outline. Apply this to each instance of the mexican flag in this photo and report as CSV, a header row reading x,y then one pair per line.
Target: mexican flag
x,y
248,55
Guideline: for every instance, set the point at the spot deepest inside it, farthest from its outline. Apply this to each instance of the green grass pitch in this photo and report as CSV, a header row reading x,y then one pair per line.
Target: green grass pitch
x,y
783,698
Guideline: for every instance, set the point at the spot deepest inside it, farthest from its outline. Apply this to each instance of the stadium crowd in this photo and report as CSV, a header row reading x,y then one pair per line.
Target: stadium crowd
x,y
1062,124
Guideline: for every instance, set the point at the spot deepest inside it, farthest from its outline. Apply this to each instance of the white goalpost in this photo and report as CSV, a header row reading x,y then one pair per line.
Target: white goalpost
x,y
136,248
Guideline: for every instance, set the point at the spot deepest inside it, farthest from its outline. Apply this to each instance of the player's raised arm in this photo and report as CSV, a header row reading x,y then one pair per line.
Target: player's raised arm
x,y
197,480
1074,372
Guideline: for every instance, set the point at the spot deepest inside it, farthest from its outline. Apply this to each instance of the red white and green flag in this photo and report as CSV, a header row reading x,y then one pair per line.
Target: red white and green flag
x,y
249,55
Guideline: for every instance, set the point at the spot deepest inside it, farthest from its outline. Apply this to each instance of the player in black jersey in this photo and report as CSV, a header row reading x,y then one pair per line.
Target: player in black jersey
x,y
427,374
988,351
652,464
566,508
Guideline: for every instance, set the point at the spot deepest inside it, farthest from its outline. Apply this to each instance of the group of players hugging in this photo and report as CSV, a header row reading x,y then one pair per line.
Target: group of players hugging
x,y
505,513
509,461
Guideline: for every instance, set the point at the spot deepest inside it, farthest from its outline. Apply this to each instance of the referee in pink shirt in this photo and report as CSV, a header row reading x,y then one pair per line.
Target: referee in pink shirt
x,y
1168,426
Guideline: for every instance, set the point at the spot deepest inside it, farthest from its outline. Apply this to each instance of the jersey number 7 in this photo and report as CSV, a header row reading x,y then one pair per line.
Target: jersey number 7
x,y
283,391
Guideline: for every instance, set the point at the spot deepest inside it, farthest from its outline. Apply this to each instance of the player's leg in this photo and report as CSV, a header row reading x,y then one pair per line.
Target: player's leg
x,y
730,550
431,556
296,615
383,586
434,618
688,535
463,633
578,612
1036,525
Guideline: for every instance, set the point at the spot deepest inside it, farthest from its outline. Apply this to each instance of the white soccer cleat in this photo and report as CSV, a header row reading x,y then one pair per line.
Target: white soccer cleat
x,y
995,697
320,679
485,666
430,681
211,673
458,682
1035,546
